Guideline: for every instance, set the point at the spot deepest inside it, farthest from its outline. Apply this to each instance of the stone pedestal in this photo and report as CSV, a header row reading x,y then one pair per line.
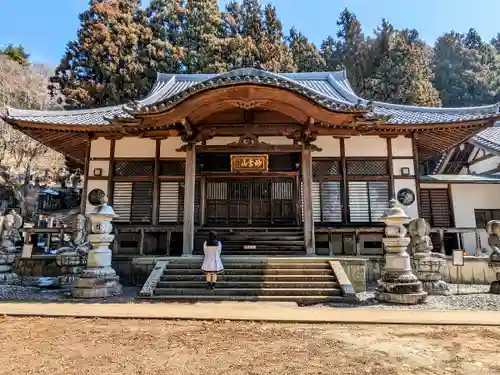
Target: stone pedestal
x,y
9,228
72,264
398,284
7,275
493,229
99,279
428,266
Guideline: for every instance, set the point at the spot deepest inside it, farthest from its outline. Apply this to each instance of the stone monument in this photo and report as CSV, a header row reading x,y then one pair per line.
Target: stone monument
x,y
398,284
493,229
428,265
73,258
9,227
99,279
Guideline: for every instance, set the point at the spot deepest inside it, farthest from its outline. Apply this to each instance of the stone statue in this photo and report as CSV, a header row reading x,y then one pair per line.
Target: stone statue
x,y
10,225
73,258
428,265
493,229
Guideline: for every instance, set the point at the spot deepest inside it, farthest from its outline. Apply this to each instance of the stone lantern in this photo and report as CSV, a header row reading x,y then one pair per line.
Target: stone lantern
x,y
99,279
493,229
428,265
398,284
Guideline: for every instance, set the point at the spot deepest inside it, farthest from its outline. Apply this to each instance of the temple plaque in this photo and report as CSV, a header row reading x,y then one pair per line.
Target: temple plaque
x,y
249,163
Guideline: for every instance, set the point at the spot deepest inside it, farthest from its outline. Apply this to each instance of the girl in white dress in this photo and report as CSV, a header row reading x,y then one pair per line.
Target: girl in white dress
x,y
212,263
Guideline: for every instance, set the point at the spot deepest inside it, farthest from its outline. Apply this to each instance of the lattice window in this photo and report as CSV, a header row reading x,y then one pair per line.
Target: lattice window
x,y
367,200
171,207
133,201
326,201
367,168
435,205
127,168
172,167
324,168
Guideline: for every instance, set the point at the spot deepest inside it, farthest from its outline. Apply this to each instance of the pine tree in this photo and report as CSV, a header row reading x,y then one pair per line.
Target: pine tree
x,y
466,70
102,67
165,52
348,51
203,37
404,75
255,37
275,55
306,56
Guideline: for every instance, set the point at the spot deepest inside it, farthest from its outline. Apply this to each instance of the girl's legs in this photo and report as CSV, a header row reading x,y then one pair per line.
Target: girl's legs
x,y
208,276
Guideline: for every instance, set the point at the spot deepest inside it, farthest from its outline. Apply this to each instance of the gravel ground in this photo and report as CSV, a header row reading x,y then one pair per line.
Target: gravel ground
x,y
470,297
61,346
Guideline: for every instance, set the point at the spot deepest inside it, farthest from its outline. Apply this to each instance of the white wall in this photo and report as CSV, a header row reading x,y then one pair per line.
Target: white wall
x,y
169,146
100,148
465,199
402,146
330,147
397,164
215,141
366,146
399,184
102,164
134,147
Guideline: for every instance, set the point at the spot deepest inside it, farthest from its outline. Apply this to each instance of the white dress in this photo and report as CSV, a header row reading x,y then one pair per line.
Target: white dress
x,y
212,261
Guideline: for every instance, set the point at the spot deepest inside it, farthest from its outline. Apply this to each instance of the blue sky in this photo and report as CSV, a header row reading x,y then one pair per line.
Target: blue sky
x,y
45,26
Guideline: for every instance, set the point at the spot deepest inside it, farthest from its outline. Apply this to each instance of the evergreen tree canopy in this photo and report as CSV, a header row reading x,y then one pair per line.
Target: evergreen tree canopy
x,y
102,67
305,54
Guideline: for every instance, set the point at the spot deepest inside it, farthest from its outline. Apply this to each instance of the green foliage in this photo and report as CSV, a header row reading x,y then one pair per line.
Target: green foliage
x,y
120,48
16,53
305,54
102,66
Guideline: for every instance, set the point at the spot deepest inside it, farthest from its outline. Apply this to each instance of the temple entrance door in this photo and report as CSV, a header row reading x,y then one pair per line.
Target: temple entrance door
x,y
251,201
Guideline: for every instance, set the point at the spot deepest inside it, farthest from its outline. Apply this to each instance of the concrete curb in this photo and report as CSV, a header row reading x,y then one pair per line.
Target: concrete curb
x,y
254,312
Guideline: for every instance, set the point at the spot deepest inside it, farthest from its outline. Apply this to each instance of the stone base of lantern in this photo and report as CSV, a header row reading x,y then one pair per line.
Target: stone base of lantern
x,y
495,285
429,273
97,283
402,289
6,275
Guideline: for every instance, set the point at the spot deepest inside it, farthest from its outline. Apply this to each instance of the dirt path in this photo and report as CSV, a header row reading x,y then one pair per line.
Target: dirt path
x,y
63,346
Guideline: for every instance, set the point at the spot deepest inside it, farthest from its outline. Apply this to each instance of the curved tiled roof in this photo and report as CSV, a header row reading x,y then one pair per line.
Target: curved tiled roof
x,y
331,90
488,139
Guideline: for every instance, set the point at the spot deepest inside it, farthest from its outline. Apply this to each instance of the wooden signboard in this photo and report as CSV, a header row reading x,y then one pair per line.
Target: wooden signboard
x,y
249,163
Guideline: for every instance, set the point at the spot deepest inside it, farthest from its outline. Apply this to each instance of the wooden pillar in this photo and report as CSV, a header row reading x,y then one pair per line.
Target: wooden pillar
x,y
83,204
111,171
416,166
307,181
189,192
156,184
203,200
391,168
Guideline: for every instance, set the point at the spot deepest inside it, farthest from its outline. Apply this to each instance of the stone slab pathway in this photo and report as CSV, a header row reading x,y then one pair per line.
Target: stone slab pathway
x,y
244,311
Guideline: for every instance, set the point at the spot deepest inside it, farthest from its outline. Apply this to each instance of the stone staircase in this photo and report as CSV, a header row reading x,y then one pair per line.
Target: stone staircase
x,y
300,280
255,241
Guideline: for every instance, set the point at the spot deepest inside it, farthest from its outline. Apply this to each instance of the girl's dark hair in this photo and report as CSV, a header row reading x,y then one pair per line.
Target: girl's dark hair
x,y
212,239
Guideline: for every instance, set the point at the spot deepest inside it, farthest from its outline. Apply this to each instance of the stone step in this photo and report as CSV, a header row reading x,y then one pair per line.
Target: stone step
x,y
246,266
254,271
249,291
214,297
263,253
225,284
251,278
